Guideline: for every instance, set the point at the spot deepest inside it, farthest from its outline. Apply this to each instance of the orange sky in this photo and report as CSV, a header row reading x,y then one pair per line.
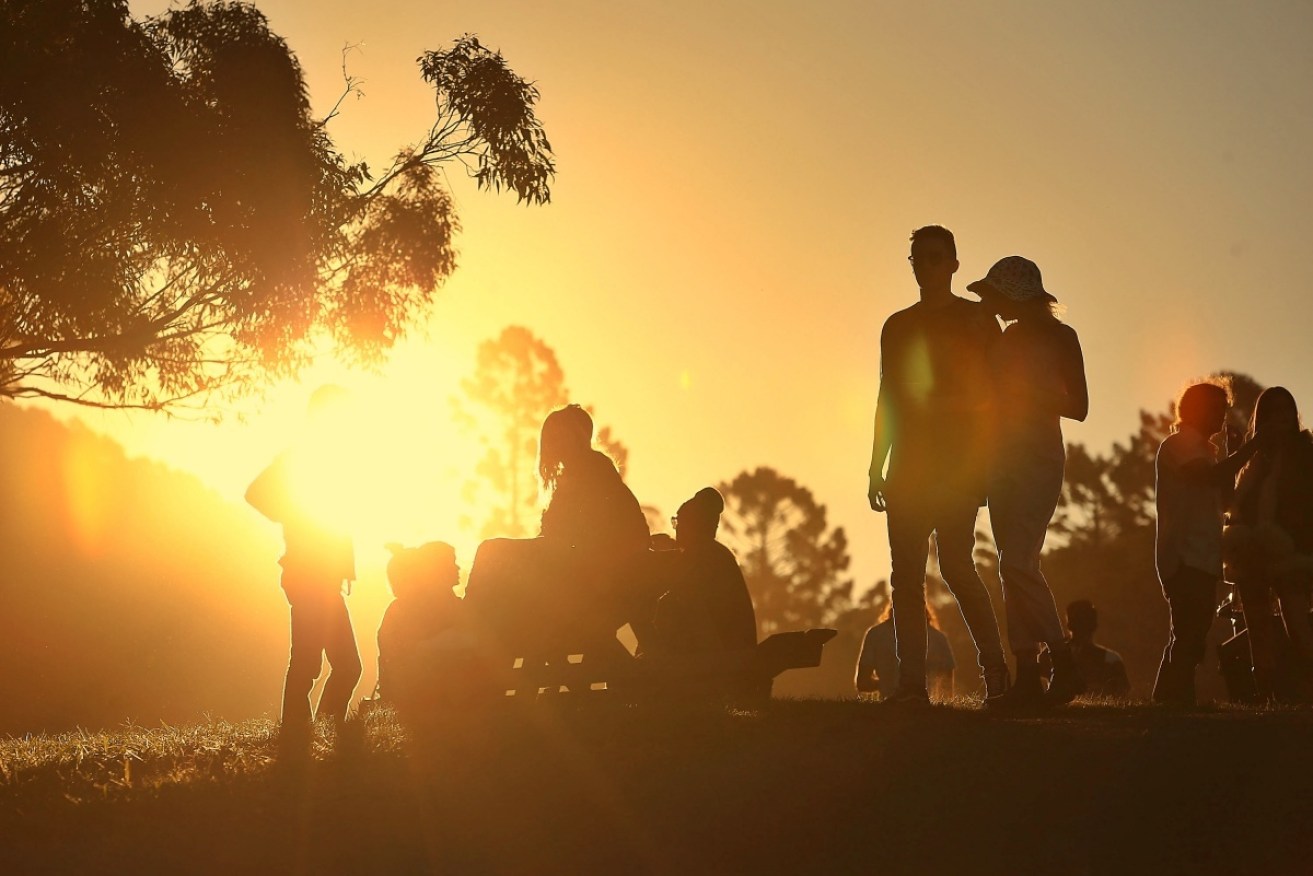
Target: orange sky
x,y
736,185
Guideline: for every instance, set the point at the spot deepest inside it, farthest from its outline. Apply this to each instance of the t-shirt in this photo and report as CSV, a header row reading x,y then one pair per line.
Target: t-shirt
x,y
1189,511
934,391
1031,364
1102,670
880,653
315,551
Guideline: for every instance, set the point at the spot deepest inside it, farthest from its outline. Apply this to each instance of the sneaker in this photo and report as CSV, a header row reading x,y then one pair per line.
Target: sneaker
x,y
907,697
997,681
1026,693
1067,683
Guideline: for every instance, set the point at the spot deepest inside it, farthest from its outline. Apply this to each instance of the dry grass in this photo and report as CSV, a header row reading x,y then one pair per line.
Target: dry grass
x,y
805,786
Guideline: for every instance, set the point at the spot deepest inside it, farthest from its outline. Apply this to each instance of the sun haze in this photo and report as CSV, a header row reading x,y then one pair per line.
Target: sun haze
x,y
736,185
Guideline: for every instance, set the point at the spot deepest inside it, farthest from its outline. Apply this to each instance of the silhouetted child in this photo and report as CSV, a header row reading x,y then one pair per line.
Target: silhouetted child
x,y
299,490
707,611
1101,668
425,605
1193,485
877,663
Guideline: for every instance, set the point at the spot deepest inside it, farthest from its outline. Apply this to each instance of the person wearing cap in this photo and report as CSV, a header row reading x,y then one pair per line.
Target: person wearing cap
x,y
1039,378
708,609
933,428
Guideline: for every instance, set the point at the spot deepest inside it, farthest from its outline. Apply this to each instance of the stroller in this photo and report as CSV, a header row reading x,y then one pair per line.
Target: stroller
x,y
1290,684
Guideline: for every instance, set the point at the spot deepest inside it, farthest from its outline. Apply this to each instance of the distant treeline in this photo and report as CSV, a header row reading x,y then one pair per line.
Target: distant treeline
x,y
129,590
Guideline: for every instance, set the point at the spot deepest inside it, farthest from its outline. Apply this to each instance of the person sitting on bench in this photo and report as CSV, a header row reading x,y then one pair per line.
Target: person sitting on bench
x,y
566,587
707,610
425,605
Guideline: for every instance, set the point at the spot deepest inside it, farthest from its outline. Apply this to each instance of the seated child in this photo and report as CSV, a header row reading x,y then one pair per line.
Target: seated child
x,y
425,606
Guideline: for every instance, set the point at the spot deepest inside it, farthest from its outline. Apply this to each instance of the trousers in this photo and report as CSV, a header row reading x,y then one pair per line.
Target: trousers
x,y
1192,600
951,520
320,627
1021,502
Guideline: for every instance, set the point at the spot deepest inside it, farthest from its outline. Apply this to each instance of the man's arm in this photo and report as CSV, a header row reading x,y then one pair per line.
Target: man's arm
x,y
267,493
886,413
880,448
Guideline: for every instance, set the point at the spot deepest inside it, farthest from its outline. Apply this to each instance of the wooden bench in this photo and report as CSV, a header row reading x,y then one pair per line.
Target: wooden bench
x,y
462,669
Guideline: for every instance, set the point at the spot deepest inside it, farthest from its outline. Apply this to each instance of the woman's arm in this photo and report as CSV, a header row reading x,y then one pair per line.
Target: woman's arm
x,y
1076,404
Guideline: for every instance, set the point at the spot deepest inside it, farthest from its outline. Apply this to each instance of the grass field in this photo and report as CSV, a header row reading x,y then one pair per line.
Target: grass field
x,y
802,787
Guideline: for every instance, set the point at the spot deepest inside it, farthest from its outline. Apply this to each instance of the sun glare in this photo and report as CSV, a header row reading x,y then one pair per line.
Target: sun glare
x,y
391,466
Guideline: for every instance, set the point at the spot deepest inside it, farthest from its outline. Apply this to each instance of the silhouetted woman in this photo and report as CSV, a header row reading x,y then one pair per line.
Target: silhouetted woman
x,y
570,581
589,508
1269,545
1039,378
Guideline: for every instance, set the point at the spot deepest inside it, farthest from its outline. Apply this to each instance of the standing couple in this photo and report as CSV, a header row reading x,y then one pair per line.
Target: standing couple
x,y
968,414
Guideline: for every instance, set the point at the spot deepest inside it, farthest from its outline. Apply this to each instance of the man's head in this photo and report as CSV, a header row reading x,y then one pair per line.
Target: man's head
x,y
933,258
1082,619
1202,406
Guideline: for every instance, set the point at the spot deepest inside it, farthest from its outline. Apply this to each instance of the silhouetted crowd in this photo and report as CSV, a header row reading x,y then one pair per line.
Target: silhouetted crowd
x,y
968,415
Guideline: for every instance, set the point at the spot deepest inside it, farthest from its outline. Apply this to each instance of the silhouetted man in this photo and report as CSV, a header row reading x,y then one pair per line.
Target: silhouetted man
x,y
297,491
1101,668
932,423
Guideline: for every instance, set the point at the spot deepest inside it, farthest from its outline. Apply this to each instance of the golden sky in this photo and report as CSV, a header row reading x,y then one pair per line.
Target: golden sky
x,y
736,184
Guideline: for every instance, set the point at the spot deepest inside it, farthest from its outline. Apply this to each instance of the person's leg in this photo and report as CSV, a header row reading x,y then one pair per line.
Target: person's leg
x,y
955,541
1020,508
909,547
343,660
1030,491
305,658
1293,591
1192,598
1256,600
1015,542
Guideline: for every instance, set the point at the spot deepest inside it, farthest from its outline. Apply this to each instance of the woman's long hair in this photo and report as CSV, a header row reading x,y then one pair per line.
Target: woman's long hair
x,y
1269,400
567,433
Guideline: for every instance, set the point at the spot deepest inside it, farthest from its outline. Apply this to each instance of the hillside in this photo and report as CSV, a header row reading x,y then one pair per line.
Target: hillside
x,y
130,591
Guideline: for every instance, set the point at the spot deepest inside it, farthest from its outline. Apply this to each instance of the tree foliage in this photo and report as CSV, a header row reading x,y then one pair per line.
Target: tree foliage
x,y
793,562
517,381
174,221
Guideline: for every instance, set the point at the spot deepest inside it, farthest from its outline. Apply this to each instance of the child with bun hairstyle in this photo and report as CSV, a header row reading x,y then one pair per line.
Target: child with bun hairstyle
x,y
708,609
